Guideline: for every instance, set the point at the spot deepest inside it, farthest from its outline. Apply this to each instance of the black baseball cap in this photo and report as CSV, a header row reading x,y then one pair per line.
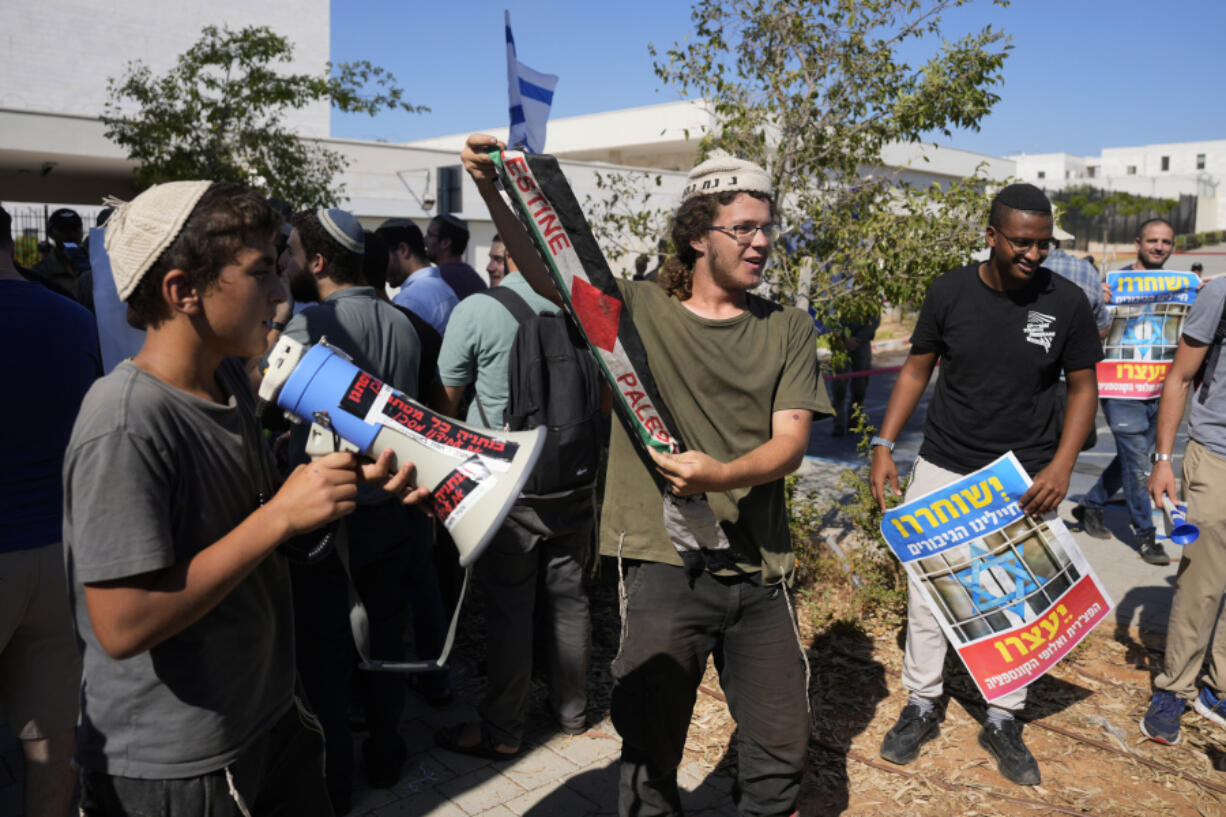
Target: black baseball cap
x,y
64,218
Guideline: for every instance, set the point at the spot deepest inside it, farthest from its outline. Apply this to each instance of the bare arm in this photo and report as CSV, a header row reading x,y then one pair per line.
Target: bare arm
x,y
693,472
1188,358
1051,484
908,390
447,400
519,245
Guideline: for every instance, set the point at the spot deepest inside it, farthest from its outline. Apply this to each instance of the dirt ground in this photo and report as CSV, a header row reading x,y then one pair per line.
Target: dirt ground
x,y
1082,726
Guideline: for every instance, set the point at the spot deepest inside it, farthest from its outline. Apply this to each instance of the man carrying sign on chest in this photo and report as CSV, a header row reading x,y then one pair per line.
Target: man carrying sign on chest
x,y
1003,330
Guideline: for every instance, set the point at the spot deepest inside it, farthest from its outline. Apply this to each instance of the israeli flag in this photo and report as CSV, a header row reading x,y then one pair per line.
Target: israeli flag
x,y
531,95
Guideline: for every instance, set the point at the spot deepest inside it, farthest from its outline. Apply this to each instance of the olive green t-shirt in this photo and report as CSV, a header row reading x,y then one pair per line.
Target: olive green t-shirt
x,y
721,380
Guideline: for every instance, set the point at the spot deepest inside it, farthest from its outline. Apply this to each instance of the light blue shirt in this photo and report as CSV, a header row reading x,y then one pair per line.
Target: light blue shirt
x,y
427,295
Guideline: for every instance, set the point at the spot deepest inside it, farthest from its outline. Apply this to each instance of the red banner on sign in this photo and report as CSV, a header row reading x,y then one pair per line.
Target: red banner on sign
x,y
1131,380
1012,659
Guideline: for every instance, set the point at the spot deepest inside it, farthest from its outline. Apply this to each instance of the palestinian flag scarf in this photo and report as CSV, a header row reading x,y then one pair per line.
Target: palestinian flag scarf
x,y
545,203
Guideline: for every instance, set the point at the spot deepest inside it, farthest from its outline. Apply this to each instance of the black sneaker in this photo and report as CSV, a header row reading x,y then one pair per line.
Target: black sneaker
x,y
902,743
1091,521
1013,759
1152,551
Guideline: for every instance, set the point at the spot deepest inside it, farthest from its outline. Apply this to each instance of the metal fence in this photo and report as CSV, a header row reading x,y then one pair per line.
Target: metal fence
x,y
30,228
1121,229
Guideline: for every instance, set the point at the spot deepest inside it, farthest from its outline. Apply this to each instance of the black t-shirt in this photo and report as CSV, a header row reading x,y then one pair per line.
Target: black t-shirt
x,y
1001,357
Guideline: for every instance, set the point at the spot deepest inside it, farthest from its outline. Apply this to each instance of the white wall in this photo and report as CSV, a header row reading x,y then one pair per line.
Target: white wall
x,y
56,55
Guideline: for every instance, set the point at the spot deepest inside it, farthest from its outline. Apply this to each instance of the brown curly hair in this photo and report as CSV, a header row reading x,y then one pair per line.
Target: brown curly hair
x,y
690,222
227,218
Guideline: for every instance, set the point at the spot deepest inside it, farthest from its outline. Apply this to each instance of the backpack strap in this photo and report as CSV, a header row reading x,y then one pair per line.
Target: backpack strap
x,y
513,301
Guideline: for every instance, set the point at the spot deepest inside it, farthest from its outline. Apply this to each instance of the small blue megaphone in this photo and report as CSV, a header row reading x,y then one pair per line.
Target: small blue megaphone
x,y
1178,529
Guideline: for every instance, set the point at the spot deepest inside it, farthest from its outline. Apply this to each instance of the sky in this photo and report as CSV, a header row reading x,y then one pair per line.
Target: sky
x,y
1082,74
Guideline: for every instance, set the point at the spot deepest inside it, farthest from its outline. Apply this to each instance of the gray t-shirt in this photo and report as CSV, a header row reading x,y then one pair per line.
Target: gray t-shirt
x,y
1205,324
152,476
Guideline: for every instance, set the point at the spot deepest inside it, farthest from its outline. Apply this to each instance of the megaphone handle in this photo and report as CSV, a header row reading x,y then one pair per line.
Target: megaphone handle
x,y
359,624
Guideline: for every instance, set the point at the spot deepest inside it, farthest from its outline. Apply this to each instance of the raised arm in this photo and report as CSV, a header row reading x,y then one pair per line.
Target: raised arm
x,y
519,245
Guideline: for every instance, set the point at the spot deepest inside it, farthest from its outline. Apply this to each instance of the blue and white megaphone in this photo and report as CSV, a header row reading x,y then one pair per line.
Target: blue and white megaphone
x,y
1178,529
474,474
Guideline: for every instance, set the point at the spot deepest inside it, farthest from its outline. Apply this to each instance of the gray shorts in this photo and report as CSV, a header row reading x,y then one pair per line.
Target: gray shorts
x,y
40,667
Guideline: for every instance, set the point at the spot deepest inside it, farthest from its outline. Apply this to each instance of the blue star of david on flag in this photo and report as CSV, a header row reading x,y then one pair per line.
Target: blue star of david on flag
x,y
1024,582
1143,334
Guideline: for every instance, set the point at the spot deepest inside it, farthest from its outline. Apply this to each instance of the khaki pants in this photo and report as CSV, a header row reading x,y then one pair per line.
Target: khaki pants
x,y
1200,582
923,665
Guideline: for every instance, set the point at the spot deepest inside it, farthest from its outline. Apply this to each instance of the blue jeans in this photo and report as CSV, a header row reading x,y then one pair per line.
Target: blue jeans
x,y
1133,424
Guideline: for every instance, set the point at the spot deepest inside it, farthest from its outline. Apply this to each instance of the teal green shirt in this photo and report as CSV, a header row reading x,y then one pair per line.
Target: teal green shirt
x,y
477,346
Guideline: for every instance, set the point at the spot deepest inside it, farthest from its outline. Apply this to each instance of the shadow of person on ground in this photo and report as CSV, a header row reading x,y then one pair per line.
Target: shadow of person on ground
x,y
845,687
1140,623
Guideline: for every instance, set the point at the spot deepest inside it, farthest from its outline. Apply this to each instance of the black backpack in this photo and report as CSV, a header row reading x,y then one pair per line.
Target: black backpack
x,y
552,381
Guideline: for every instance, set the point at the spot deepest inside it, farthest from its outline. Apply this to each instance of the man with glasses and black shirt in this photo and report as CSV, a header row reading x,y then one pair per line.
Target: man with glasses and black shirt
x,y
1004,330
1133,425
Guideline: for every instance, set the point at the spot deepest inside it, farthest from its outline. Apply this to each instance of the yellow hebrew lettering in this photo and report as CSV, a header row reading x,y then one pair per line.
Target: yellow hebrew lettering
x,y
995,483
936,506
1003,650
957,498
1051,624
927,514
978,495
1033,637
1017,642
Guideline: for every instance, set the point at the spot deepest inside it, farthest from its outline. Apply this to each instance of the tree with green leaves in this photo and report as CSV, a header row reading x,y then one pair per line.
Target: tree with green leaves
x,y
813,90
1092,209
219,113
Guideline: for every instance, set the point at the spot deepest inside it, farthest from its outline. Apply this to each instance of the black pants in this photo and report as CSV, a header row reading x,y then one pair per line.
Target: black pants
x,y
545,545
671,628
279,775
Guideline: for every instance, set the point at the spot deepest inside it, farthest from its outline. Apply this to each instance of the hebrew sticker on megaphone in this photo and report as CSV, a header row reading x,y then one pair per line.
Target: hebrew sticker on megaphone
x,y
474,475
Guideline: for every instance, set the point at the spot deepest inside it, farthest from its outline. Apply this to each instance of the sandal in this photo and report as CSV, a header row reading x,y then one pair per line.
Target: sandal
x,y
449,738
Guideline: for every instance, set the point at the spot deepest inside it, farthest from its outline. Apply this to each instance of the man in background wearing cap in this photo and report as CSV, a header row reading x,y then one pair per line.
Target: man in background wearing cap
x,y
422,288
1133,425
329,245
1004,330
739,376
67,260
51,342
446,240
172,514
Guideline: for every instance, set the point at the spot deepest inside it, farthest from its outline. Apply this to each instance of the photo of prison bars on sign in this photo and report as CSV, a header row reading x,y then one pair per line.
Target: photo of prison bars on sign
x,y
1013,594
1148,310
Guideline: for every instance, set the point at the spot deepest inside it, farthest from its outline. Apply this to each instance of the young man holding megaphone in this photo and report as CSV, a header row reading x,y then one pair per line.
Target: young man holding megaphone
x,y
173,513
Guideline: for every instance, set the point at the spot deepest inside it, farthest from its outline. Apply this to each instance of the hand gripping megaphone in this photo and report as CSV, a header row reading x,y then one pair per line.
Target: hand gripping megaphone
x,y
1178,529
474,474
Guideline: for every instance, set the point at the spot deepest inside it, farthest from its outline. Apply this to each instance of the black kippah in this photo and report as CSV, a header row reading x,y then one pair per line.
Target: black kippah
x,y
1023,197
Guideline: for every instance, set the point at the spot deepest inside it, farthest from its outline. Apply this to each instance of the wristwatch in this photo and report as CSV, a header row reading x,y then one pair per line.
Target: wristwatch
x,y
277,326
875,441
1156,458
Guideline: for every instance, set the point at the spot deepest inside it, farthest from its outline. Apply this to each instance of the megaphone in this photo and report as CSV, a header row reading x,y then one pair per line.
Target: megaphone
x,y
474,474
1178,529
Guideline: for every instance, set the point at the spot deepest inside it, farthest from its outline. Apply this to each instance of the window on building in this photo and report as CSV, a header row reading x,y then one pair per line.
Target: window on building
x,y
1068,174
1200,161
1092,171
1042,174
450,191
1166,163
1132,170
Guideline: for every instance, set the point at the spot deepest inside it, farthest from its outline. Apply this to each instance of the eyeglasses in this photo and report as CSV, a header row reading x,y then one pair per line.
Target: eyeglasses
x,y
1024,244
744,233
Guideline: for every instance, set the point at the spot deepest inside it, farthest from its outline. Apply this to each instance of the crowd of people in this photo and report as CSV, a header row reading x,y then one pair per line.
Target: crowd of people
x,y
169,639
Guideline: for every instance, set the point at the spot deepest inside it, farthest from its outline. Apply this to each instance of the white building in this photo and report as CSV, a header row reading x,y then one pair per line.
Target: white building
x,y
1166,170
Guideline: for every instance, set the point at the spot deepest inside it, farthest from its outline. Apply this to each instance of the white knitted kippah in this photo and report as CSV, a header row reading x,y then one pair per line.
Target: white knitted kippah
x,y
722,172
344,229
139,231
